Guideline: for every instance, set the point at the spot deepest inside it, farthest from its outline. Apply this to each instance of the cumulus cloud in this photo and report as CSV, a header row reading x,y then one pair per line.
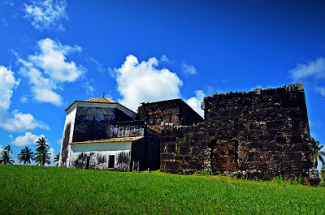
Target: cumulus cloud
x,y
21,122
28,139
142,82
314,69
7,83
52,59
195,102
1,148
188,69
16,121
48,68
46,14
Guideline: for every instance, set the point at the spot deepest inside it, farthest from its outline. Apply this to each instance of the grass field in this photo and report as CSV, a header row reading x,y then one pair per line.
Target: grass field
x,y
50,190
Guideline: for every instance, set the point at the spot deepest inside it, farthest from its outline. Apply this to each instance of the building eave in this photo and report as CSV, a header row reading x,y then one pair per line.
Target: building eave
x,y
110,140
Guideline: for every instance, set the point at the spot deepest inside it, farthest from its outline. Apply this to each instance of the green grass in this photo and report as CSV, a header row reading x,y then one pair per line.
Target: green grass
x,y
50,190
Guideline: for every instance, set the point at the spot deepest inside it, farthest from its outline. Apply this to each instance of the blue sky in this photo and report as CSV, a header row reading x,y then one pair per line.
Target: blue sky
x,y
55,52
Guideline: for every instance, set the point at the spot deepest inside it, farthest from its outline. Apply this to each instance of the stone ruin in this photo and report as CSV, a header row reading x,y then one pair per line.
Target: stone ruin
x,y
260,134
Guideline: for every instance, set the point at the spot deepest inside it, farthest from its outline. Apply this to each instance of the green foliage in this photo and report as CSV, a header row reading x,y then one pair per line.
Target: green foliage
x,y
322,173
26,155
56,158
48,190
207,172
42,155
216,93
5,157
317,153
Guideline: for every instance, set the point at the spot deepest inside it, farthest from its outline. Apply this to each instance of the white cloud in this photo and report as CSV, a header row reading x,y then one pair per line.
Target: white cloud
x,y
188,69
7,84
46,14
100,68
1,149
142,82
23,99
89,89
16,121
195,102
28,139
53,60
321,90
52,151
48,68
164,58
20,122
8,2
4,23
314,69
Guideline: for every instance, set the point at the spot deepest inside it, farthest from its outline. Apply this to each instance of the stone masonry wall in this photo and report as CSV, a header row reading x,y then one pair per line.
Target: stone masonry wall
x,y
171,112
263,133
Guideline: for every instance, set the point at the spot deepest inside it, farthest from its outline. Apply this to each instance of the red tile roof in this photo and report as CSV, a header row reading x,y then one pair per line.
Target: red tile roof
x,y
101,100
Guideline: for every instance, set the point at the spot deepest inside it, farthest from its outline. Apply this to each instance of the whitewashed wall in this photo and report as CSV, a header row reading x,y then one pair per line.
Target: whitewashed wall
x,y
65,146
99,155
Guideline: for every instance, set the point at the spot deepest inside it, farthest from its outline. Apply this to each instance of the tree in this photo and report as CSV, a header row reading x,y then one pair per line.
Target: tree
x,y
8,148
41,145
56,158
322,173
317,153
42,158
5,157
42,155
26,155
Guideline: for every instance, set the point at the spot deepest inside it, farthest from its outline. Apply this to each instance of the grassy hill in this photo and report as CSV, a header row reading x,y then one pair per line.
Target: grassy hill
x,y
50,190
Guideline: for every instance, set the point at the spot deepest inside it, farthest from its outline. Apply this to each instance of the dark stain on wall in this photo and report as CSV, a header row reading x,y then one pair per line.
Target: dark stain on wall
x,y
259,134
171,112
65,144
80,161
152,139
123,161
139,154
101,159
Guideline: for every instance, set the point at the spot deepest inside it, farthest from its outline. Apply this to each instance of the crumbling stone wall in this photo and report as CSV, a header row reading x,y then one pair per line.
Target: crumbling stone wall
x,y
263,133
184,149
171,112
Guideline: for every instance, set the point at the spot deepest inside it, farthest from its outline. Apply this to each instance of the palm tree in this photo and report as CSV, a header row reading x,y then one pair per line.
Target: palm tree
x,y
26,155
8,148
56,158
42,158
322,173
317,153
41,145
5,158
42,155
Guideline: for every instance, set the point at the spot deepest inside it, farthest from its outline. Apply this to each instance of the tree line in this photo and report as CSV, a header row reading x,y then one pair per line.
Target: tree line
x,y
42,155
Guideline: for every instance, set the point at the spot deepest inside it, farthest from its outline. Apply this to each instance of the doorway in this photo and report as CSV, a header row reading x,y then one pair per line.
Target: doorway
x,y
87,162
111,161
